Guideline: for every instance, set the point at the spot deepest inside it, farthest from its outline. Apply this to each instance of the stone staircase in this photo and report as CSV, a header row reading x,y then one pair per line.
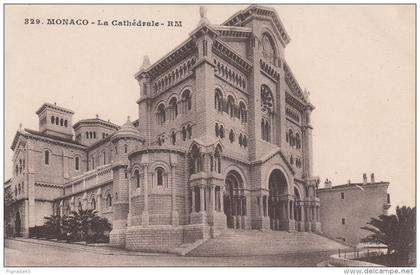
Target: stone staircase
x,y
249,243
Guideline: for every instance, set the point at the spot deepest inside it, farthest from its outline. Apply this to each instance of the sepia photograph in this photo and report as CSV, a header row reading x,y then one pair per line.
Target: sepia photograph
x,y
209,135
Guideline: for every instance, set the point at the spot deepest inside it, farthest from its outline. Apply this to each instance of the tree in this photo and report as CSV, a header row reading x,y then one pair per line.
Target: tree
x,y
52,226
9,201
397,232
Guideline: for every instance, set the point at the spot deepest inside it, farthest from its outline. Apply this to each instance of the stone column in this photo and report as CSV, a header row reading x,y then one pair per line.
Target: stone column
x,y
84,201
145,214
222,206
174,215
98,201
193,200
261,206
61,208
129,199
201,198
212,199
72,204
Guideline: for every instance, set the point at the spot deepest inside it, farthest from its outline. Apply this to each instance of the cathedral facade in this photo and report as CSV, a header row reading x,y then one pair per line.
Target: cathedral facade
x,y
222,140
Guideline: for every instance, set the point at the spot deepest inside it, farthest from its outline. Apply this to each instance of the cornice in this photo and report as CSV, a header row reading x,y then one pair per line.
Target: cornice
x,y
229,55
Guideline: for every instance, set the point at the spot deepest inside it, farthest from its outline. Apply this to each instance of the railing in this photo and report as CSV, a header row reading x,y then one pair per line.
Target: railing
x,y
353,257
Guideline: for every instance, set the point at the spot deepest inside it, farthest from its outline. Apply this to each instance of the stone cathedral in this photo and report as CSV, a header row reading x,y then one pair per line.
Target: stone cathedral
x,y
222,142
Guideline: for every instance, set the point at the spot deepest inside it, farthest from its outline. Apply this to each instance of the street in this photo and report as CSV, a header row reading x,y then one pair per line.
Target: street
x,y
21,253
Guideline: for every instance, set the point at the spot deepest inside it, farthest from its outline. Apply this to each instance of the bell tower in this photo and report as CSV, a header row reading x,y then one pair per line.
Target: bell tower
x,y
55,120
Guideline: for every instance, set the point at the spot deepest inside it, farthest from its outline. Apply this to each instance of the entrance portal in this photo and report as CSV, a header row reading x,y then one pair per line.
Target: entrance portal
x,y
277,201
18,225
234,200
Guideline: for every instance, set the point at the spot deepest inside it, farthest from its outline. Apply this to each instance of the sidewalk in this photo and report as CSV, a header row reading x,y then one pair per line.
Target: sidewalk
x,y
94,248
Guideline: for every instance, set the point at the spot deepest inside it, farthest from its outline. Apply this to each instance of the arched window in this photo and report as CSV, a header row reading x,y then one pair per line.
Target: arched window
x,y
52,120
173,107
108,201
218,100
46,157
231,136
240,139
65,123
19,188
244,141
87,135
161,114
242,112
216,129
159,176
267,100
184,134
93,204
298,144
94,134
221,131
195,159
16,169
16,190
76,163
61,122
189,131
104,157
290,137
57,120
186,99
268,48
20,166
137,178
159,141
173,138
231,106
125,148
90,135
79,206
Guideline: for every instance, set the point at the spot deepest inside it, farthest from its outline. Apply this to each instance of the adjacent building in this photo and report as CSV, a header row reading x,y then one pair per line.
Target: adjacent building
x,y
348,207
223,140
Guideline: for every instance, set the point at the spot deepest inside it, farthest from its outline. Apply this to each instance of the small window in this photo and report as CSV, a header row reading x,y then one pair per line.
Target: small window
x,y
216,129
173,138
61,122
79,207
137,177
184,134
87,135
159,175
108,201
65,123
76,163
46,157
93,204
125,148
388,198
231,136
189,131
94,134
343,221
342,195
57,120
52,120
125,174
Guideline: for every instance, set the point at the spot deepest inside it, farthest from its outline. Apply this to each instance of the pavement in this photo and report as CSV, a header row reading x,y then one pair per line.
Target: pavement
x,y
37,253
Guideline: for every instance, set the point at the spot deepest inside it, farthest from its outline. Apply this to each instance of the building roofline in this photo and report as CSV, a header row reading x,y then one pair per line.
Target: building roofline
x,y
351,185
55,107
95,121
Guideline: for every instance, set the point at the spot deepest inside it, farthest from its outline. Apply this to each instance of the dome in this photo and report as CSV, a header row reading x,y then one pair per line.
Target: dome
x,y
127,130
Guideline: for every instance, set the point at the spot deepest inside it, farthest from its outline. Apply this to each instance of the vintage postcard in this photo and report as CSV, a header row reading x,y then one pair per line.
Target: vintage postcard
x,y
209,135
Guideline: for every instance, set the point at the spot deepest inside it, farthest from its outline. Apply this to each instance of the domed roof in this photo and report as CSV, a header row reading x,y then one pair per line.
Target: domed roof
x,y
127,130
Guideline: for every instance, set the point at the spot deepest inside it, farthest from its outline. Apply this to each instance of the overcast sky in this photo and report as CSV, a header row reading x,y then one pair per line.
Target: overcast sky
x,y
358,62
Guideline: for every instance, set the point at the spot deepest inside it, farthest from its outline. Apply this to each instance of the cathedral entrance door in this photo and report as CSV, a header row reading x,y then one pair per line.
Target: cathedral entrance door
x,y
277,210
234,201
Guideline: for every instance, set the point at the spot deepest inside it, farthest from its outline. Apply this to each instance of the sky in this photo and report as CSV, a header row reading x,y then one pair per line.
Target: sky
x,y
357,62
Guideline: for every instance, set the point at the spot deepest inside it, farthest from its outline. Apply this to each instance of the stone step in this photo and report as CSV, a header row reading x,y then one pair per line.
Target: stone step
x,y
248,243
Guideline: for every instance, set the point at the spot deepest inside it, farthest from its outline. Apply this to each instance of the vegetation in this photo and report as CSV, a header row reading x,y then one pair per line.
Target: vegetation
x,y
82,225
397,232
8,211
